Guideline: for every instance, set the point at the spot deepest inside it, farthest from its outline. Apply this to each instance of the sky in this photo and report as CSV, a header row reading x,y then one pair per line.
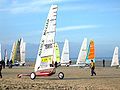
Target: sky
x,y
94,19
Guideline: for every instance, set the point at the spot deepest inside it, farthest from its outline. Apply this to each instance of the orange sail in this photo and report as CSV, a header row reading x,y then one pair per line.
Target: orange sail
x,y
91,54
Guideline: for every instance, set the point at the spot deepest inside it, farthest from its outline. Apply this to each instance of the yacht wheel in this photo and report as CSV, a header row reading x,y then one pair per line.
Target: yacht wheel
x,y
19,75
61,75
32,75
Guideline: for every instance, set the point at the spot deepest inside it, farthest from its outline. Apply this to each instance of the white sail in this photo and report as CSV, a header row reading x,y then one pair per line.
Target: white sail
x,y
12,52
65,53
46,49
115,60
83,53
22,52
5,57
0,53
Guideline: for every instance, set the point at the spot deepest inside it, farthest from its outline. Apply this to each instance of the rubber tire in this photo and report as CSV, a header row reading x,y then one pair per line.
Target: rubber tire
x,y
33,73
18,76
67,65
61,75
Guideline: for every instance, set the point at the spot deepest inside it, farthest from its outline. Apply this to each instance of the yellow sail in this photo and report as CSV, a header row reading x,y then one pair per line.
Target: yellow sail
x,y
57,52
14,53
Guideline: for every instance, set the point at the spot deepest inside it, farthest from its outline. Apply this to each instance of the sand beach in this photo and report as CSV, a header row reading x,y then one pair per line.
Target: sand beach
x,y
75,79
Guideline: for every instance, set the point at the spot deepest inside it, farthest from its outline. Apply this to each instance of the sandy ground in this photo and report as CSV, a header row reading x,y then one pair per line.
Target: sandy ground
x,y
75,79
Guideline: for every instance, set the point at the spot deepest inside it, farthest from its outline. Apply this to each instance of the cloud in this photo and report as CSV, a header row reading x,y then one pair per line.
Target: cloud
x,y
16,7
67,28
88,7
31,6
77,5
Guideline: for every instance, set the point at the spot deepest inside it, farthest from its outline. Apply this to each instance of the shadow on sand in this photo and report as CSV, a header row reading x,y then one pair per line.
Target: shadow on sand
x,y
92,77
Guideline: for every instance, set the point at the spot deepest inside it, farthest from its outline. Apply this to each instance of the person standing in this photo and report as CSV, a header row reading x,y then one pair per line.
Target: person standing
x,y
56,64
0,69
103,63
3,63
92,66
10,64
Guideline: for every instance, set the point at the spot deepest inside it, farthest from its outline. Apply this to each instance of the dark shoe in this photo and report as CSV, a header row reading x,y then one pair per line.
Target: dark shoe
x,y
91,75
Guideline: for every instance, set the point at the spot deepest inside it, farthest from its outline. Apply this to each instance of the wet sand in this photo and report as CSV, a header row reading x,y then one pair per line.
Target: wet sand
x,y
75,79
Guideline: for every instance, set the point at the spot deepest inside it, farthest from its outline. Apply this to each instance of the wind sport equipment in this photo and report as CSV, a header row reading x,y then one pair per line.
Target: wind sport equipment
x,y
81,60
17,56
57,53
86,54
115,59
65,61
45,58
22,52
5,57
91,52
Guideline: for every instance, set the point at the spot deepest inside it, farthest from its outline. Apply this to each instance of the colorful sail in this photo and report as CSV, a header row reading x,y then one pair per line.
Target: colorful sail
x,y
115,59
46,49
91,52
18,52
57,53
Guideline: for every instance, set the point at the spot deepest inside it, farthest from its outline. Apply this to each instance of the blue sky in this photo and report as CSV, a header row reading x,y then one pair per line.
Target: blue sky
x,y
94,19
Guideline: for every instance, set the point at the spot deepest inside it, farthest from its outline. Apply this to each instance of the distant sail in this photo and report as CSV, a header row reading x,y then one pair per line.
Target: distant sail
x,y
91,52
5,57
65,53
13,52
57,53
18,58
18,52
46,49
22,52
0,53
83,53
115,59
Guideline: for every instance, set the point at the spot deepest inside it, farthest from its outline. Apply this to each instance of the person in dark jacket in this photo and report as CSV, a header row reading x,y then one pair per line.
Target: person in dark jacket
x,y
56,64
3,63
0,69
103,63
92,66
10,64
